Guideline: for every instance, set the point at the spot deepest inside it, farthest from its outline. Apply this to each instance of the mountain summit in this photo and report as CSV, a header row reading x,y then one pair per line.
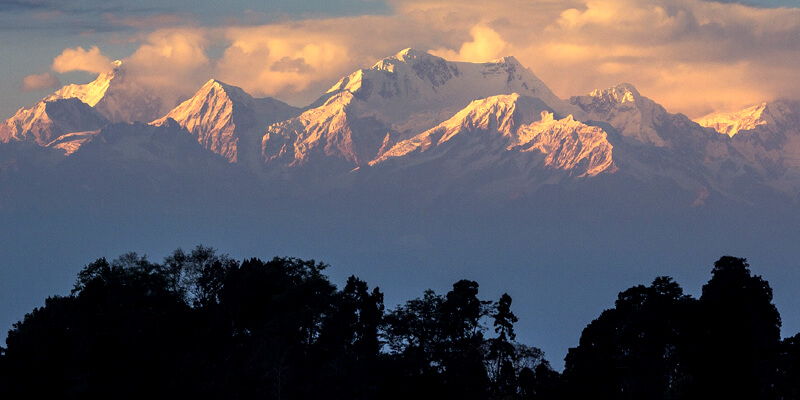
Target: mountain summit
x,y
415,90
228,121
115,96
491,131
49,119
368,111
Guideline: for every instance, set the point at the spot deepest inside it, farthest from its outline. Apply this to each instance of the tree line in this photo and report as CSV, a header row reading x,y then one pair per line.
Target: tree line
x,y
202,325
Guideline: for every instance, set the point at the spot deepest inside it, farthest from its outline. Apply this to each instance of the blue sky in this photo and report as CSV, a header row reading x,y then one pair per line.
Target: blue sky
x,y
692,56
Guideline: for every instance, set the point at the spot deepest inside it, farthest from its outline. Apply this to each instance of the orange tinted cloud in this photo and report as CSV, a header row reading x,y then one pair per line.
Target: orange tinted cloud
x,y
172,62
689,55
486,45
79,59
281,60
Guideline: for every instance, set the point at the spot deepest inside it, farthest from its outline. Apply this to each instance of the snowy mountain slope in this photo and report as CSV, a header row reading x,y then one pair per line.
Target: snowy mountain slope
x,y
228,121
569,145
336,132
124,169
468,122
58,118
769,123
500,114
747,119
639,119
399,97
414,90
92,92
115,96
168,145
651,143
48,120
71,142
498,129
768,137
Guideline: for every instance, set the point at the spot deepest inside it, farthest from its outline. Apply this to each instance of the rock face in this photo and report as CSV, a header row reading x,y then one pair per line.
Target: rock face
x,y
228,121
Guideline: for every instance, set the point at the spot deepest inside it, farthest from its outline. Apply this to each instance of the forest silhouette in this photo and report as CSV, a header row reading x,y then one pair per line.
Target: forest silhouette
x,y
202,325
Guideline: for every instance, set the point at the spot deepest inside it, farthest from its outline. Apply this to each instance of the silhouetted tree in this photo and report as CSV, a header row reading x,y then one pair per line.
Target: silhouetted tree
x,y
501,350
199,274
275,310
788,382
200,325
40,349
536,379
121,334
740,334
633,351
349,346
464,370
414,334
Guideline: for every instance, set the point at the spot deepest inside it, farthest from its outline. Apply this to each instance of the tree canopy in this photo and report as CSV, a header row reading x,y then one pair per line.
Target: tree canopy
x,y
202,325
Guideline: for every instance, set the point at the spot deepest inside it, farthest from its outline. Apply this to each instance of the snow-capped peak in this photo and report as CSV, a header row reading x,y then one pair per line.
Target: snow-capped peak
x,y
509,60
502,114
620,94
771,116
515,126
410,54
227,120
414,90
630,113
92,92
48,120
234,92
116,96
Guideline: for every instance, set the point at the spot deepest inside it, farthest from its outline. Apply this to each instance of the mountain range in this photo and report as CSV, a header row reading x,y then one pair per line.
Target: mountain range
x,y
414,110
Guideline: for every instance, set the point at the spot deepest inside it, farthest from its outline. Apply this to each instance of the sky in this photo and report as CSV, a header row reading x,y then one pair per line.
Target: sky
x,y
692,56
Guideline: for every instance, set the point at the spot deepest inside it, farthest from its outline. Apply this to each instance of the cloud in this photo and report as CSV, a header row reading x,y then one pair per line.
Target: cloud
x,y
153,21
279,60
39,81
78,59
287,64
172,62
692,56
486,45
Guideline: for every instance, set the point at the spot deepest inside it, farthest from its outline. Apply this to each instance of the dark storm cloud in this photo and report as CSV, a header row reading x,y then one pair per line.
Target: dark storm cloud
x,y
761,3
287,64
79,17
